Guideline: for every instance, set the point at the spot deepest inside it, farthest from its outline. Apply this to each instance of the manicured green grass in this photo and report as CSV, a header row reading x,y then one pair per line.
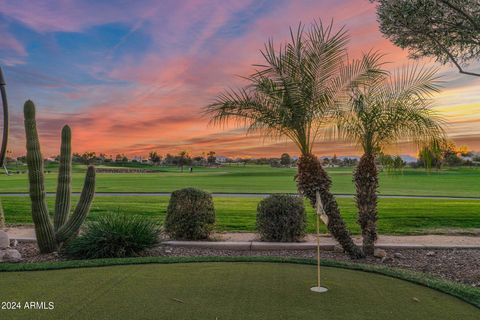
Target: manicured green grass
x,y
397,216
224,291
461,182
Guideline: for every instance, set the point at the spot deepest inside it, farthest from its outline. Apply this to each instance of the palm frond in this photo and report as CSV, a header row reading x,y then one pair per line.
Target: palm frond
x,y
296,91
391,110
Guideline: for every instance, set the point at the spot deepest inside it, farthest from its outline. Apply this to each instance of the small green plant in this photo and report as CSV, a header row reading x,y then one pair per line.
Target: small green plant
x,y
281,217
190,214
114,236
66,226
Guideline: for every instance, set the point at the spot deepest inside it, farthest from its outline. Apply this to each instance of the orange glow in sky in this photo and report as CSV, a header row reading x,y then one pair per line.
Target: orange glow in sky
x,y
133,77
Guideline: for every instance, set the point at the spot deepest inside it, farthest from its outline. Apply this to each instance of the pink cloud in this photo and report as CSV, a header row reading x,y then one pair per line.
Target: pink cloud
x,y
183,71
12,51
70,15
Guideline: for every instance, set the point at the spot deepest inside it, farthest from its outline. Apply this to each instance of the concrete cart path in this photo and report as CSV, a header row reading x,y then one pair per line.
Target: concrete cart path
x,y
232,195
250,241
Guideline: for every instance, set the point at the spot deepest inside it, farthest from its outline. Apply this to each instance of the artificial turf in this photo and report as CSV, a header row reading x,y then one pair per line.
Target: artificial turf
x,y
396,216
224,291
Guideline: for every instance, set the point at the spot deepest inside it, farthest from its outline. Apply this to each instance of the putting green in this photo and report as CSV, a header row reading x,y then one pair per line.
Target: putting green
x,y
223,291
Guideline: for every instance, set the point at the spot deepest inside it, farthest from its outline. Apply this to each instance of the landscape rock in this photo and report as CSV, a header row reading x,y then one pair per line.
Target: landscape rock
x,y
4,240
430,253
379,253
13,243
386,259
11,255
398,255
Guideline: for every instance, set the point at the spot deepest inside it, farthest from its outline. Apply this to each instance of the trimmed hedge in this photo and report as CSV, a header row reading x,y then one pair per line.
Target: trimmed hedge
x,y
190,215
281,217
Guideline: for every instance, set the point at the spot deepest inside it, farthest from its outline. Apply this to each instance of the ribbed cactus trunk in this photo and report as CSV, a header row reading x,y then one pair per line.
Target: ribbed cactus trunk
x,y
43,227
51,236
71,227
366,185
311,177
63,202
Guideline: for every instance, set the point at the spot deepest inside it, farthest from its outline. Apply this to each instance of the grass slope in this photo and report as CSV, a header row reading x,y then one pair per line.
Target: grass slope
x,y
461,182
224,291
397,216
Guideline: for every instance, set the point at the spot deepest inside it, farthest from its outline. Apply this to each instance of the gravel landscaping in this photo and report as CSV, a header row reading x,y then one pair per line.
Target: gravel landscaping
x,y
460,265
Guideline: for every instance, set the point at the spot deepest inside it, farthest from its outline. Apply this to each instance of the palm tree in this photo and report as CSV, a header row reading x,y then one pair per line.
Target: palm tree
x,y
183,159
293,95
383,111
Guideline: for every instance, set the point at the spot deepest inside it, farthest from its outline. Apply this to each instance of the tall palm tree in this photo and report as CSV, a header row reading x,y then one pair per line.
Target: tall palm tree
x,y
383,111
293,95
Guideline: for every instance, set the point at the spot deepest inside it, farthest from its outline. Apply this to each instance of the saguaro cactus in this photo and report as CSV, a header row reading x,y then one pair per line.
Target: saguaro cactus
x,y
51,236
62,202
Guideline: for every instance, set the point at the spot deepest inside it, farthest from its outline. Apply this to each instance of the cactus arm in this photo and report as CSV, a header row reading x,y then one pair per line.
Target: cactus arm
x,y
43,226
63,202
73,224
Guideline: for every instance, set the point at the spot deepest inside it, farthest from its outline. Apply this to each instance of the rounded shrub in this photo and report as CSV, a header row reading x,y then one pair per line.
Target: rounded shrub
x,y
114,236
190,215
281,217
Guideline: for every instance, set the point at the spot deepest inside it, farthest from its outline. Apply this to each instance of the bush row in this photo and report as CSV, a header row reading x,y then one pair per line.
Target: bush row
x,y
190,216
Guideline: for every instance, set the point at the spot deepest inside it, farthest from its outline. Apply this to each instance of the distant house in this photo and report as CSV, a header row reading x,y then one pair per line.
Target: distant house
x,y
408,159
221,159
137,159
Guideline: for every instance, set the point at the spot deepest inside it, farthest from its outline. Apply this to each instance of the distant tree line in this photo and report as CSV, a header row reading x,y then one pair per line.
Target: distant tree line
x,y
446,153
438,155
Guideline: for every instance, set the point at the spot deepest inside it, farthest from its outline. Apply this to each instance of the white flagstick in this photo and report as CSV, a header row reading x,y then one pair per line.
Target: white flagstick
x,y
320,215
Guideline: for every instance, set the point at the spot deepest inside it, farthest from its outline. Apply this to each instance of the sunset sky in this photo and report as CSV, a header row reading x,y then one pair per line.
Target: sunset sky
x,y
132,76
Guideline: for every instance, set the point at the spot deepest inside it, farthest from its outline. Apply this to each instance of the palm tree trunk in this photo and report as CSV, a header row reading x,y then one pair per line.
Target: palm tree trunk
x,y
366,184
311,177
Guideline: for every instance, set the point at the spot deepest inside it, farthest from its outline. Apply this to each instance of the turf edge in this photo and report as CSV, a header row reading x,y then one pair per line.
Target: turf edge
x,y
461,291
